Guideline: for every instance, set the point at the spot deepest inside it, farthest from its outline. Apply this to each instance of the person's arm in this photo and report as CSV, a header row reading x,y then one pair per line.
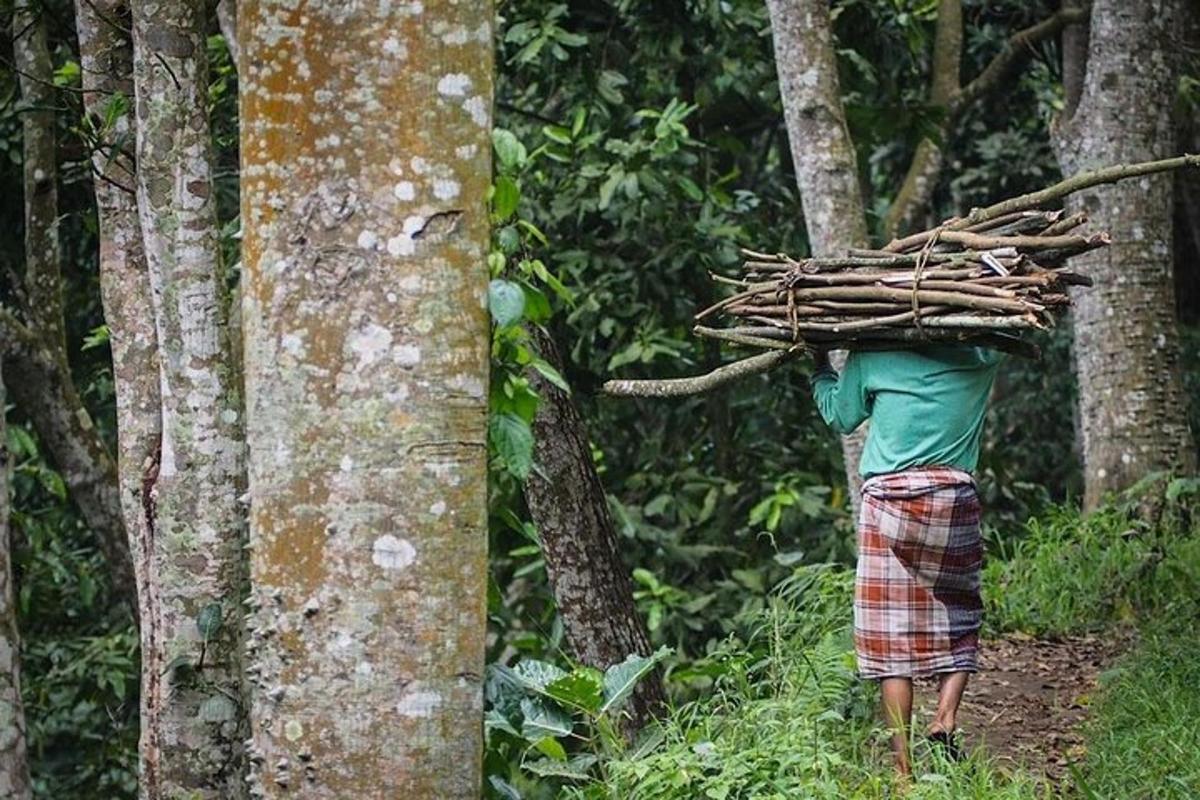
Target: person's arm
x,y
842,400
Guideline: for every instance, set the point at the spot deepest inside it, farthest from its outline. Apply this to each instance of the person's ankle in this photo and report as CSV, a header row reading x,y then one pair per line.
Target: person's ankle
x,y
940,725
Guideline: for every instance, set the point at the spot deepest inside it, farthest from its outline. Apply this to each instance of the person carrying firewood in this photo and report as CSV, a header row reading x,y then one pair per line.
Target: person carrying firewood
x,y
917,607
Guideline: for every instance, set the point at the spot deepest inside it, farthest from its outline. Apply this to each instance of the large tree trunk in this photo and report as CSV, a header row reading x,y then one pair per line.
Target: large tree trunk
x,y
14,768
106,58
579,541
365,166
822,150
40,376
1131,400
193,746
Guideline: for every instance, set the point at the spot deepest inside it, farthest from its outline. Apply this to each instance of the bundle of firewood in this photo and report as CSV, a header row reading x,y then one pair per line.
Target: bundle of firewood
x,y
987,278
984,283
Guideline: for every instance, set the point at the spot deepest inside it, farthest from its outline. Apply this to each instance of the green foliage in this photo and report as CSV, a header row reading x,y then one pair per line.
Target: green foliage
x,y
545,722
79,651
1075,573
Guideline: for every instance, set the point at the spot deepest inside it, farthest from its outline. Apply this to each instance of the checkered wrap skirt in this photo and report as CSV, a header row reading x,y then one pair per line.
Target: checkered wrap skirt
x,y
917,608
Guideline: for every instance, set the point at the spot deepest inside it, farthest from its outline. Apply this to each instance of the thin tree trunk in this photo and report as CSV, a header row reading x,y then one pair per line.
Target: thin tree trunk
x,y
195,539
40,376
1131,401
365,166
14,767
822,150
106,58
579,541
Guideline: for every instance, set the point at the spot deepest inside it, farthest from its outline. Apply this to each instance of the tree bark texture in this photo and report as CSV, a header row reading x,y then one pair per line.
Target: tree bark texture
x,y
194,745
822,150
587,574
1131,402
40,376
14,767
106,58
366,161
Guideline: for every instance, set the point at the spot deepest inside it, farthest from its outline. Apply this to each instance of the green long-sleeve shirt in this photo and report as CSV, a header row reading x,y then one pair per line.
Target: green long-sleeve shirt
x,y
926,405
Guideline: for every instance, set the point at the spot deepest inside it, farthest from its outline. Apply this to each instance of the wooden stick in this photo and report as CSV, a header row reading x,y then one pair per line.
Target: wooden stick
x,y
682,387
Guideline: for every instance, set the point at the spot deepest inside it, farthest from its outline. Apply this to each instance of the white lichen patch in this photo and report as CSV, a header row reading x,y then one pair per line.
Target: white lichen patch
x,y
405,190
368,240
438,508
293,345
347,463
419,165
407,355
466,152
395,48
455,84
401,245
390,552
413,224
446,189
477,107
370,343
418,703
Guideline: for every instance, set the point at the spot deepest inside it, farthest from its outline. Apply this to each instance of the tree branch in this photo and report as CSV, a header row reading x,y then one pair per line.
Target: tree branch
x,y
921,178
680,387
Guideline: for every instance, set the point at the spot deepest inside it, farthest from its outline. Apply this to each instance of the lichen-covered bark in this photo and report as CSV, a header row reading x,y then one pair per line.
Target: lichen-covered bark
x,y
1131,401
822,150
106,58
40,378
365,166
14,768
579,541
191,486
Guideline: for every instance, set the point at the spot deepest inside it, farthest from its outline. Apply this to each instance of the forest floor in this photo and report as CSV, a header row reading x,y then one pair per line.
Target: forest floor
x,y
1026,706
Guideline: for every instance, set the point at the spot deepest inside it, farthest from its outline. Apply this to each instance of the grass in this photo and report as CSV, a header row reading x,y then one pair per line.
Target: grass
x,y
1143,738
787,718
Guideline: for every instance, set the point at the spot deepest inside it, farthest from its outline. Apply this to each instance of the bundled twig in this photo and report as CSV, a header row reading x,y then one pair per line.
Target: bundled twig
x,y
986,278
982,283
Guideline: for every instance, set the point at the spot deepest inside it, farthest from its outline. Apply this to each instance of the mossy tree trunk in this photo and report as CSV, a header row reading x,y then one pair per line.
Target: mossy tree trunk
x,y
14,767
193,721
1131,402
579,541
366,161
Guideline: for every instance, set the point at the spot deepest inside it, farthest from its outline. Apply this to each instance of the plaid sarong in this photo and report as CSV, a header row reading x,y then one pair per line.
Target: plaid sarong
x,y
917,608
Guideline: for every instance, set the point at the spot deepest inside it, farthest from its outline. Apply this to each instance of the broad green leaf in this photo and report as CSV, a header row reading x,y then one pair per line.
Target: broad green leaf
x,y
503,789
509,150
209,620
582,688
543,719
552,748
576,769
512,440
557,133
609,186
537,675
548,372
620,679
505,197
495,721
506,301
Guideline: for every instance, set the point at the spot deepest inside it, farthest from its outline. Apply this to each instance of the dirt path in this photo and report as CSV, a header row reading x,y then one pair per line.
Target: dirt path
x,y
1026,705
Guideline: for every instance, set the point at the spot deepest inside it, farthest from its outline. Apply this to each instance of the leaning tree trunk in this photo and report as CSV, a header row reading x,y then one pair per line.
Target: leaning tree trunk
x,y
39,372
579,541
194,744
1131,401
822,150
106,58
366,161
14,768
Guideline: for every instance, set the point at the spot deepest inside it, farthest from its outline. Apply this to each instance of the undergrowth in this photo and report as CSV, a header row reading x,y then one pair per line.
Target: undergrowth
x,y
786,717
